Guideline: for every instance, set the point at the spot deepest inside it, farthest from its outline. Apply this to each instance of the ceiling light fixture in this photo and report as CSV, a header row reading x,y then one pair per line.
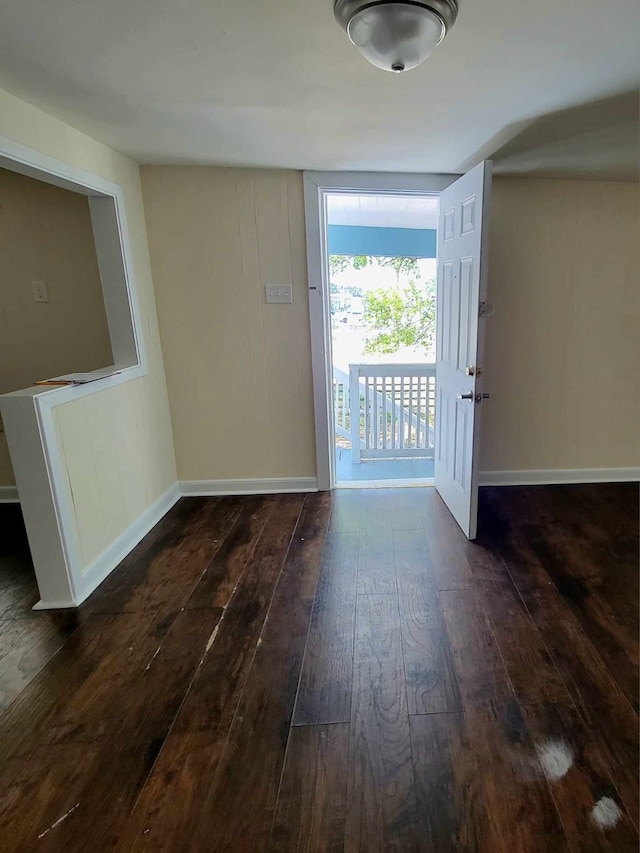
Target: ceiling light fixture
x,y
396,36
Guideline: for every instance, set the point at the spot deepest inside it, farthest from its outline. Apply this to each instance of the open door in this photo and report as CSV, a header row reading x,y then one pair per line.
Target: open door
x,y
463,244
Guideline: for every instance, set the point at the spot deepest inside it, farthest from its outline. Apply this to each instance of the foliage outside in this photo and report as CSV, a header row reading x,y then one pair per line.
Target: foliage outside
x,y
402,317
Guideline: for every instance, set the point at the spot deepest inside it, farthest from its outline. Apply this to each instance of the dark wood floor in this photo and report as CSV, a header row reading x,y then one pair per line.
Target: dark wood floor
x,y
334,672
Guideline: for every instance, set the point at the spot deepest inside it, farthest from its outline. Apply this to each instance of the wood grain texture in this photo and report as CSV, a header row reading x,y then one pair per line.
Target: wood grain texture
x,y
164,574
430,682
196,743
376,562
579,780
26,645
251,764
528,663
255,683
447,545
324,694
522,812
381,805
228,563
449,786
589,681
313,791
480,671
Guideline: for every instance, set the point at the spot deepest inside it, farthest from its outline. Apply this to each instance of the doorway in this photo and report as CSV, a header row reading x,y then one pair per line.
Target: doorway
x,y
318,187
462,240
382,289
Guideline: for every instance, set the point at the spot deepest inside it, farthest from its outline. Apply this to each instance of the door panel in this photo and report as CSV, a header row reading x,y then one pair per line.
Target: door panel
x,y
462,279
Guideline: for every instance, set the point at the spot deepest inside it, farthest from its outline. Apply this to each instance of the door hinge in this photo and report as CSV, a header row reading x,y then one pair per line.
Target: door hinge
x,y
486,309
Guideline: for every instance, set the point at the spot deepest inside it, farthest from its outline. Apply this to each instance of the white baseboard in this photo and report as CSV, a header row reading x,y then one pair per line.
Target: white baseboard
x,y
559,476
103,565
9,495
279,485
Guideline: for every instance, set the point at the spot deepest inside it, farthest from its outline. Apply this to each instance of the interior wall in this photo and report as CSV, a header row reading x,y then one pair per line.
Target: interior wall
x,y
563,349
238,370
113,482
46,235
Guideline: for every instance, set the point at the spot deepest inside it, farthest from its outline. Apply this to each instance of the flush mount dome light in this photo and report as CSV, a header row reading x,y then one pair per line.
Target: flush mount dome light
x,y
396,36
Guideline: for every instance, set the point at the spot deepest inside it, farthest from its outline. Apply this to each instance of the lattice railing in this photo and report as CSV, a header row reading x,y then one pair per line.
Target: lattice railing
x,y
396,410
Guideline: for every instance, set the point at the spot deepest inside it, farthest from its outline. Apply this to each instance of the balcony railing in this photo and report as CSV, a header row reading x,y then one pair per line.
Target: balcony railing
x,y
386,410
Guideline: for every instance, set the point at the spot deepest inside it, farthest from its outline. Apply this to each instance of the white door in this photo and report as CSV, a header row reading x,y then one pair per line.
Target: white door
x,y
463,244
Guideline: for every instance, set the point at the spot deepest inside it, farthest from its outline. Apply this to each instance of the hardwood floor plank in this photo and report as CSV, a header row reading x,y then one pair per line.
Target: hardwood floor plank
x,y
26,646
448,785
140,685
530,668
381,803
226,567
252,762
191,754
310,812
166,727
346,511
324,694
582,790
165,575
497,734
447,544
77,795
573,561
603,707
522,813
479,669
578,539
376,562
430,682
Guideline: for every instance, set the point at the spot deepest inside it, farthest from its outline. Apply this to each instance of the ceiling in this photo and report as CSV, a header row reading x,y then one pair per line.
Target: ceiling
x,y
277,83
383,211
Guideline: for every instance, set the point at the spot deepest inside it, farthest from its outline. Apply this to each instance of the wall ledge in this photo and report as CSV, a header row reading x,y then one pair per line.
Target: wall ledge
x,y
280,485
558,476
9,495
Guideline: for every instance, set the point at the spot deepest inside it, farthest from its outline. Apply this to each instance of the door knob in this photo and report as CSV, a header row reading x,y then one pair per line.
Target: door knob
x,y
468,396
473,371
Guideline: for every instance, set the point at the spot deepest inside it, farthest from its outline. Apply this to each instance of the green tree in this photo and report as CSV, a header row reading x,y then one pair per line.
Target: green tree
x,y
340,263
400,318
401,266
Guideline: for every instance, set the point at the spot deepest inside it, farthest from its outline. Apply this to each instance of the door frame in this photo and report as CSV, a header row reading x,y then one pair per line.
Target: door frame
x,y
317,186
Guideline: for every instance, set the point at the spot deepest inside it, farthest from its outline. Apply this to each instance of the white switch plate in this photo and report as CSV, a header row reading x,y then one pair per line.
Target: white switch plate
x,y
39,290
280,294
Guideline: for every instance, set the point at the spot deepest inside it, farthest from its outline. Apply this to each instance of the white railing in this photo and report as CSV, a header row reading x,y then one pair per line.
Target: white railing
x,y
342,421
395,406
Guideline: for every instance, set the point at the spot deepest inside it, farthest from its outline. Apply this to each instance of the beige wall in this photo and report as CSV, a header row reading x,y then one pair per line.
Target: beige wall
x,y
238,370
46,235
563,350
113,482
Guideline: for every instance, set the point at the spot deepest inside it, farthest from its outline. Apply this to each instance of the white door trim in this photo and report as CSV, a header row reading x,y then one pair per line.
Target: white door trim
x,y
317,185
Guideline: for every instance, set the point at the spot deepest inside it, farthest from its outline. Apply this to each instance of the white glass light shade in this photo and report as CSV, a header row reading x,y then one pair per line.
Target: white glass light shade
x,y
396,36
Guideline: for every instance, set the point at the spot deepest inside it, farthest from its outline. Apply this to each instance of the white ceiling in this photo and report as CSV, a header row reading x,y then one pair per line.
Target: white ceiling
x,y
383,211
277,83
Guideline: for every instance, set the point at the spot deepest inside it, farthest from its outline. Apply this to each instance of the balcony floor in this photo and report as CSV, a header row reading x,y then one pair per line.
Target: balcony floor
x,y
381,469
